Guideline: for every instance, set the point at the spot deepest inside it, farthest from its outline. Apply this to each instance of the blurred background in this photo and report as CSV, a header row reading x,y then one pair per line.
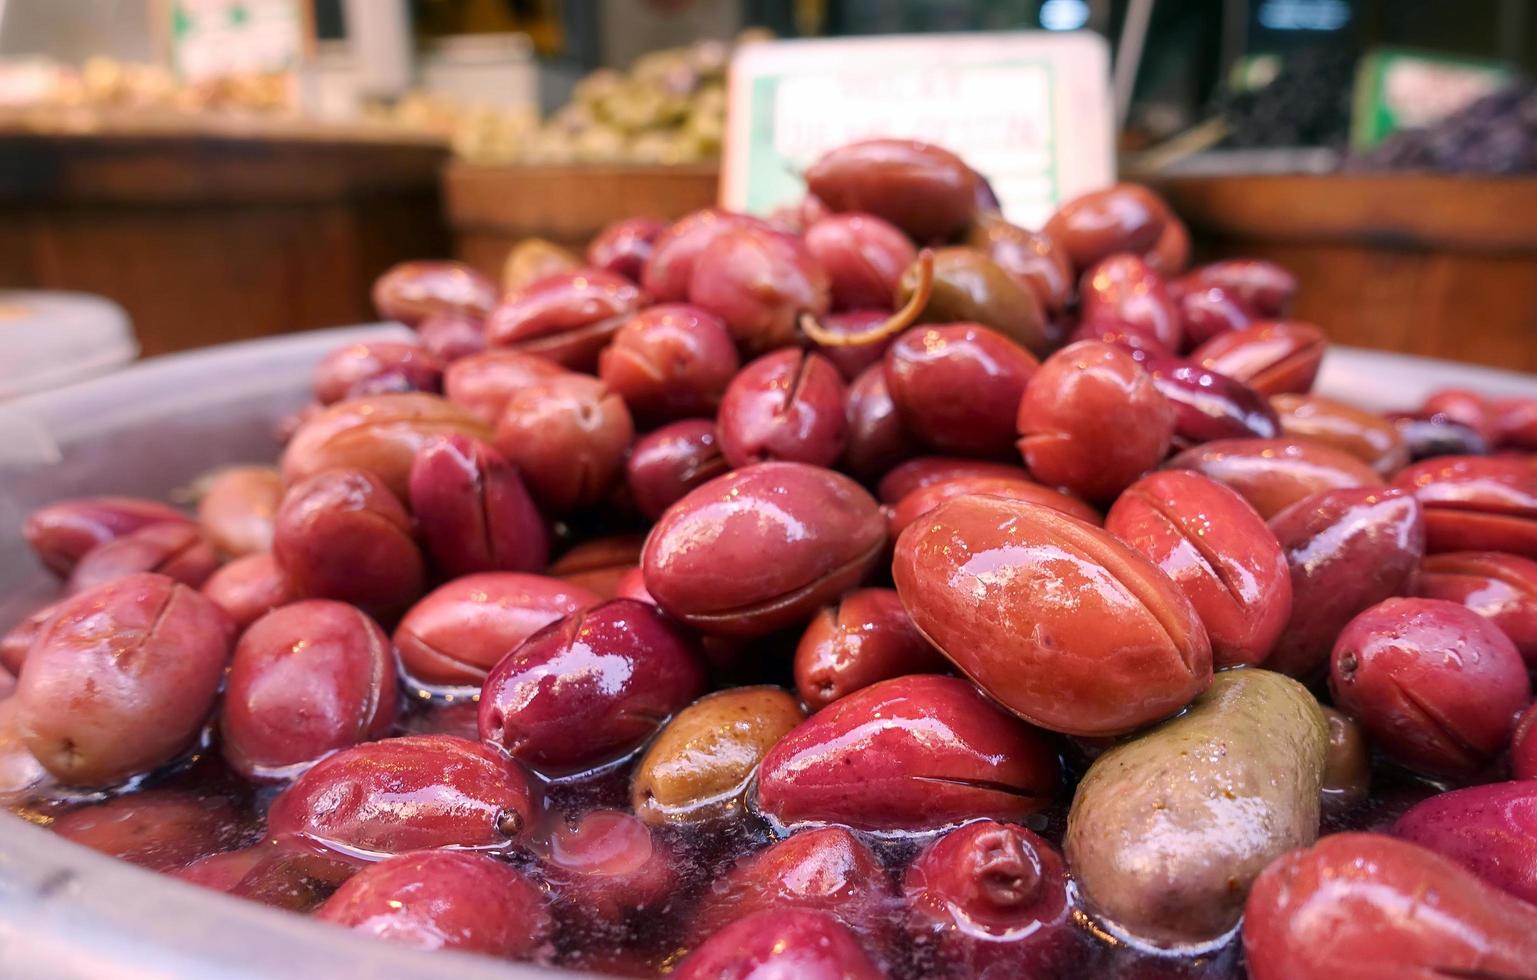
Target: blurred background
x,y
226,169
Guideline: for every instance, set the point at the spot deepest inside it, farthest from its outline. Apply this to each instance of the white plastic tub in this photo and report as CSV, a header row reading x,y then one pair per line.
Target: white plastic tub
x,y
67,912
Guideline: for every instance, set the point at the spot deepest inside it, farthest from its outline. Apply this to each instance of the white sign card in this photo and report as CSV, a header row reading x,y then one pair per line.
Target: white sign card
x,y
1030,110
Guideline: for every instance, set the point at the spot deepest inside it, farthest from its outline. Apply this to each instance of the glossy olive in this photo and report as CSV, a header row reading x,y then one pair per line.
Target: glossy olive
x,y
1209,311
1013,593
1476,503
567,317
411,291
1211,544
1037,260
1490,830
482,383
852,361
809,534
248,588
1367,436
238,507
864,257
61,533
1091,420
342,535
923,471
670,362
452,336
759,282
459,631
774,943
305,680
598,563
623,247
921,501
1210,406
472,511
157,829
1263,288
666,464
567,436
1464,407
1435,685
121,679
785,406
375,368
1499,587
1426,438
1120,218
865,638
877,438
408,793
1347,550
1125,288
969,287
590,687
1347,766
925,190
1272,357
177,550
609,865
931,751
1273,474
926,369
670,267
16,641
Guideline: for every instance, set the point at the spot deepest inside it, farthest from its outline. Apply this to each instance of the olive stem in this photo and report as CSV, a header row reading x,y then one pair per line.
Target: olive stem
x,y
895,324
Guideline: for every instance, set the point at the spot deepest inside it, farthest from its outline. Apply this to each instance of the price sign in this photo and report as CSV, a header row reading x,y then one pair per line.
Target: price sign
x,y
218,38
1031,111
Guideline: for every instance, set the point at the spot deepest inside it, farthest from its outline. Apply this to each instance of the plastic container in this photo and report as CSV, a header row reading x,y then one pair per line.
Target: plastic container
x,y
67,912
49,339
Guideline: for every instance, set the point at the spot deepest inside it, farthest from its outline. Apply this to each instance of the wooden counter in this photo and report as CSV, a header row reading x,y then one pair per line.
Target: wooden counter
x,y
221,232
1423,264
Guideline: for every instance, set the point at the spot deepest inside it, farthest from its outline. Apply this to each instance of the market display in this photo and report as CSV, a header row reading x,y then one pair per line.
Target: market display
x,y
874,589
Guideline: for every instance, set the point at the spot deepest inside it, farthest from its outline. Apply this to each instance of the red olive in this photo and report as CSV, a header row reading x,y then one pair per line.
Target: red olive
x,y
1476,503
665,465
237,510
567,436
375,368
591,687
121,679
17,641
670,362
472,510
408,793
452,336
1435,685
1464,407
412,291
223,871
567,317
923,471
1020,487
775,944
1427,438
598,564
851,362
990,899
1210,406
1347,550
825,869
1218,551
864,257
609,864
1515,422
157,829
1014,593
1122,218
481,384
1092,420
1490,830
1210,311
1034,258
1501,588
786,406
176,550
808,534
877,438
248,588
759,282
1523,745
1135,339
1125,288
624,247
61,533
927,367
444,900
343,535
1273,474
930,751
1367,905
1272,357
670,268
865,638
926,191
458,632
1263,288
1365,435
306,679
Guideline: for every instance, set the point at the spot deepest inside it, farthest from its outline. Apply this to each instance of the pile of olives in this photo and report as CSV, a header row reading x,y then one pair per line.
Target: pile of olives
x,y
877,588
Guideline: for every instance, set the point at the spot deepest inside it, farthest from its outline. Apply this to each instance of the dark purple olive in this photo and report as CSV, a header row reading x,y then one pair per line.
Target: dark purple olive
x,y
928,368
665,465
473,512
1126,218
670,362
877,438
567,317
445,900
808,534
780,945
930,751
1208,405
591,687
342,535
1209,312
1348,550
1427,438
785,406
624,246
1490,830
121,679
990,899
406,794
305,680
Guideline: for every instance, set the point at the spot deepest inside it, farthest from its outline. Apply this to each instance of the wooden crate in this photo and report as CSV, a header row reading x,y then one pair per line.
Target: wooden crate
x,y
491,208
1425,264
